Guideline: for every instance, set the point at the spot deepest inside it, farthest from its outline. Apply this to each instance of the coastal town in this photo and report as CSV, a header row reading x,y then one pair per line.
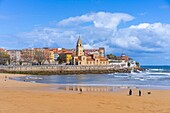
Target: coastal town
x,y
61,56
84,56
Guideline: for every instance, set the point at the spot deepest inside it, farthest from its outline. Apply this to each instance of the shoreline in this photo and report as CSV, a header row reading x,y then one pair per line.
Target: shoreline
x,y
92,87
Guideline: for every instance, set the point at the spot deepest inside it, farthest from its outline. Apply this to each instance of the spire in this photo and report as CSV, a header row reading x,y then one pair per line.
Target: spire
x,y
79,41
79,47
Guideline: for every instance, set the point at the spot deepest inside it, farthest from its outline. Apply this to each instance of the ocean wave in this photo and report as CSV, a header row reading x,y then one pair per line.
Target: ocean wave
x,y
157,69
159,73
33,78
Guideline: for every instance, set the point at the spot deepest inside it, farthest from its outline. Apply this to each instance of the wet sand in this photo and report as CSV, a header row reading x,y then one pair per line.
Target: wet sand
x,y
25,97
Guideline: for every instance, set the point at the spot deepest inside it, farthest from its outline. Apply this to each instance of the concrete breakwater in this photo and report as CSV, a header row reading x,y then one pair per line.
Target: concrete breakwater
x,y
64,69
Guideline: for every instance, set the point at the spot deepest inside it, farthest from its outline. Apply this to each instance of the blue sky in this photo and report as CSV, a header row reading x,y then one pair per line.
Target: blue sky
x,y
140,28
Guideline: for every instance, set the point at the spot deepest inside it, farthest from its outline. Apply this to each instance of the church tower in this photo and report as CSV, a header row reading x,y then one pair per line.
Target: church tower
x,y
79,48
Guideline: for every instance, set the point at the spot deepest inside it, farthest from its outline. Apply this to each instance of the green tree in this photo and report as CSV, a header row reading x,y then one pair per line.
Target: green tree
x,y
128,64
62,58
137,64
111,56
20,62
4,58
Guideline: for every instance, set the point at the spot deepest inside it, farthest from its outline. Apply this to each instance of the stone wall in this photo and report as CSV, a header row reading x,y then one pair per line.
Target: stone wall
x,y
58,67
63,69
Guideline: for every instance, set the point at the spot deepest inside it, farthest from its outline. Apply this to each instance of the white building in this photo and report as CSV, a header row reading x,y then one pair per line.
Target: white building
x,y
15,56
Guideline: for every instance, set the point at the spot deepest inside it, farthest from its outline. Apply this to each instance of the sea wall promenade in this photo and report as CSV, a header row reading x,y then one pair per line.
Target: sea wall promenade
x,y
63,69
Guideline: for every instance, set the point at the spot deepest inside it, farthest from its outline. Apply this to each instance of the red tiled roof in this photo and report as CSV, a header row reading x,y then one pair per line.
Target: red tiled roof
x,y
67,52
77,59
126,58
103,59
90,59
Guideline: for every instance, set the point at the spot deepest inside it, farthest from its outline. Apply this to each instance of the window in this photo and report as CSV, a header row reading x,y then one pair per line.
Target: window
x,y
80,63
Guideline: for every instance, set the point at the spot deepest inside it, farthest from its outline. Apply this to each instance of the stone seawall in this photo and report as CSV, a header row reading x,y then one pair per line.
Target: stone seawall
x,y
63,69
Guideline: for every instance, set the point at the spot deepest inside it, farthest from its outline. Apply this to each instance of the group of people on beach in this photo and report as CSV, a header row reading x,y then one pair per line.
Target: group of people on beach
x,y
130,92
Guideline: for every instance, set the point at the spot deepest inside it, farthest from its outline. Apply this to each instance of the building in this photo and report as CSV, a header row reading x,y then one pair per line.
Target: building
x,y
99,52
118,62
2,50
4,57
68,57
56,55
51,57
46,52
124,57
122,61
15,56
27,56
88,59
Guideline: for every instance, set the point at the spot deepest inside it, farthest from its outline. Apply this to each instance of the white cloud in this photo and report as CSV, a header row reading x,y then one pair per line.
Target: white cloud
x,y
144,37
140,26
101,30
102,27
100,19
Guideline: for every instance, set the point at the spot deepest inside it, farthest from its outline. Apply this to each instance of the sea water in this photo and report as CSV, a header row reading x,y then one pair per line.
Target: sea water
x,y
155,77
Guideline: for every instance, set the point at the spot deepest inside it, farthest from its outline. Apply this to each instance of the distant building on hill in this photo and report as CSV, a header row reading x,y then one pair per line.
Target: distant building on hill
x,y
93,58
122,61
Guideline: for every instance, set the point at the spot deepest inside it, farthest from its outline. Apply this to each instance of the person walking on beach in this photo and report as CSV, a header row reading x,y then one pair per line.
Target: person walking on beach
x,y
81,90
130,92
6,78
140,93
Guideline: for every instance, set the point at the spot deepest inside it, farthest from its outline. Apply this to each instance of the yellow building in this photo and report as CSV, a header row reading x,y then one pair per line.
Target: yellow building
x,y
68,57
51,56
92,59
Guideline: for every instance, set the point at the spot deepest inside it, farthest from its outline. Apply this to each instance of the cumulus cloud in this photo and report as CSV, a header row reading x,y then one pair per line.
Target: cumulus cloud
x,y
144,37
48,37
101,30
94,28
140,26
100,19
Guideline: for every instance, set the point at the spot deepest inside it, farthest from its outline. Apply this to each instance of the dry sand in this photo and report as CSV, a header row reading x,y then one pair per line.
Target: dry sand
x,y
24,97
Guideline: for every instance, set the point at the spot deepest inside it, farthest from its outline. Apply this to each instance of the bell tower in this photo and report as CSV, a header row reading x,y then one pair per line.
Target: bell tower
x,y
79,48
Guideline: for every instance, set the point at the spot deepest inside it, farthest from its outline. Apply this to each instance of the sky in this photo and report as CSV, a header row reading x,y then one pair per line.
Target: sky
x,y
139,28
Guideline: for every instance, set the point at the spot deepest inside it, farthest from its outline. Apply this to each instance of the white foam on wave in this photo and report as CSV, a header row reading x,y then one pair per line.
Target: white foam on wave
x,y
34,78
158,73
156,69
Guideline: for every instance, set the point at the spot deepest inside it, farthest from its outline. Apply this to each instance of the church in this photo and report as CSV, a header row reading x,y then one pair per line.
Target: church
x,y
91,59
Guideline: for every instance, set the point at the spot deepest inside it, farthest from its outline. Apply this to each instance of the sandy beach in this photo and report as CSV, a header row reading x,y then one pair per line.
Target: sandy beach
x,y
25,97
